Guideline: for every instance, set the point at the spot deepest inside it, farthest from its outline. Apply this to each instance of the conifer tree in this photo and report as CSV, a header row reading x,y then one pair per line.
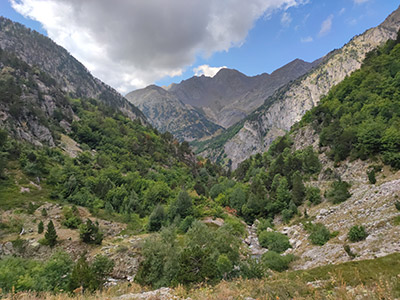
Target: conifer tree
x,y
51,234
40,227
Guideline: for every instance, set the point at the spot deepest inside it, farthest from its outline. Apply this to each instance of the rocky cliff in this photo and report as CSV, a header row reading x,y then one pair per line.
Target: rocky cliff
x,y
70,75
167,113
290,103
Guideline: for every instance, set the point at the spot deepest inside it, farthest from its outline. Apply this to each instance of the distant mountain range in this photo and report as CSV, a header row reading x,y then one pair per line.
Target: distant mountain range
x,y
201,106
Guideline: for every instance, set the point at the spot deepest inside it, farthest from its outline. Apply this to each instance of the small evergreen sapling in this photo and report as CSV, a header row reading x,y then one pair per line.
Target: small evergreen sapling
x,y
51,234
40,227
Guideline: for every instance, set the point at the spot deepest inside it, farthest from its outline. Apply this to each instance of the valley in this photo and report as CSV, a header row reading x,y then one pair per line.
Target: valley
x,y
277,186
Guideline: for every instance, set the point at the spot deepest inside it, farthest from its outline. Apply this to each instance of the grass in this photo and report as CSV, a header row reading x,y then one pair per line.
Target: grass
x,y
369,279
11,196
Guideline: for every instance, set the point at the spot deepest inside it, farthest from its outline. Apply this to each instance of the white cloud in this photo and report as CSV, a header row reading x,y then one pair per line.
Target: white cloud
x,y
308,39
360,1
132,43
326,26
206,70
342,11
286,19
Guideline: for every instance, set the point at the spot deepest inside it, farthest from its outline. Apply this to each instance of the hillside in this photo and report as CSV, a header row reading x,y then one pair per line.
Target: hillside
x,y
291,102
70,75
167,113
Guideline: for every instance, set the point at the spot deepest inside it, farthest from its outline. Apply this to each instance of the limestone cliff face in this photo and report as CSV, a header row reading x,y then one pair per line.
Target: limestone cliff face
x,y
289,104
167,113
71,76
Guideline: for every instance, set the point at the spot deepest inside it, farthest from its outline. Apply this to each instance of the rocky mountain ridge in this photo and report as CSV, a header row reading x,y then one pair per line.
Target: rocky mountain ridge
x,y
290,103
230,95
200,107
167,113
71,76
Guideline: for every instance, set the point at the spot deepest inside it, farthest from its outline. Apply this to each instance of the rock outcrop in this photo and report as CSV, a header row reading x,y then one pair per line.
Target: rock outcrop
x,y
290,103
167,113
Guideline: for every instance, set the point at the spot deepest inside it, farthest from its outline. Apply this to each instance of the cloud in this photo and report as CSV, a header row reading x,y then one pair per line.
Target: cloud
x,y
132,43
360,1
308,39
326,26
342,11
206,70
286,19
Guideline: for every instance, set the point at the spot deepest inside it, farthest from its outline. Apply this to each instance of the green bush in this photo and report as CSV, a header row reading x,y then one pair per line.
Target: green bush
x,y
319,234
397,205
357,233
72,219
313,194
40,227
251,268
277,262
90,233
274,241
371,176
339,192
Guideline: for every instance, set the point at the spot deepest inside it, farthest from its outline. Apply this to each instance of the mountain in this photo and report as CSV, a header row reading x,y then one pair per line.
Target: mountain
x,y
70,75
167,113
291,102
230,96
200,107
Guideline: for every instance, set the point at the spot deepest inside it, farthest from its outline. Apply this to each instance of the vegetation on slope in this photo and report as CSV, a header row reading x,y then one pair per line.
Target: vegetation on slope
x,y
360,117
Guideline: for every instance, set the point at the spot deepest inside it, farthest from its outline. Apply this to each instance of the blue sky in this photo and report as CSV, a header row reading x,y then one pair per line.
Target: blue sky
x,y
270,45
138,51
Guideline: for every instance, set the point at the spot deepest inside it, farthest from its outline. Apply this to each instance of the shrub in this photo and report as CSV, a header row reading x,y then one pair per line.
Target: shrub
x,y
40,227
263,225
90,276
338,192
397,205
156,219
51,235
44,212
319,234
277,262
348,251
72,219
251,268
90,233
274,241
313,194
357,233
371,176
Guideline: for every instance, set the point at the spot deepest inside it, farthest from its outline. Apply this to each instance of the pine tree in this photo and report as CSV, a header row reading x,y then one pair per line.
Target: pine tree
x,y
298,189
40,227
51,234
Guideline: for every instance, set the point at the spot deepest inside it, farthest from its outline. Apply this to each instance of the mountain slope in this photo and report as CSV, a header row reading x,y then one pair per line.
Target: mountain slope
x,y
230,96
167,113
73,78
291,102
200,107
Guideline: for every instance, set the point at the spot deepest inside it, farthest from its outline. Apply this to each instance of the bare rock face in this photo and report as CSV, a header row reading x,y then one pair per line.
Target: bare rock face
x,y
290,103
167,113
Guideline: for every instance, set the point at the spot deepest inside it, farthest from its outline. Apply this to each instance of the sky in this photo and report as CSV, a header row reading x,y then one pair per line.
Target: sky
x,y
130,44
